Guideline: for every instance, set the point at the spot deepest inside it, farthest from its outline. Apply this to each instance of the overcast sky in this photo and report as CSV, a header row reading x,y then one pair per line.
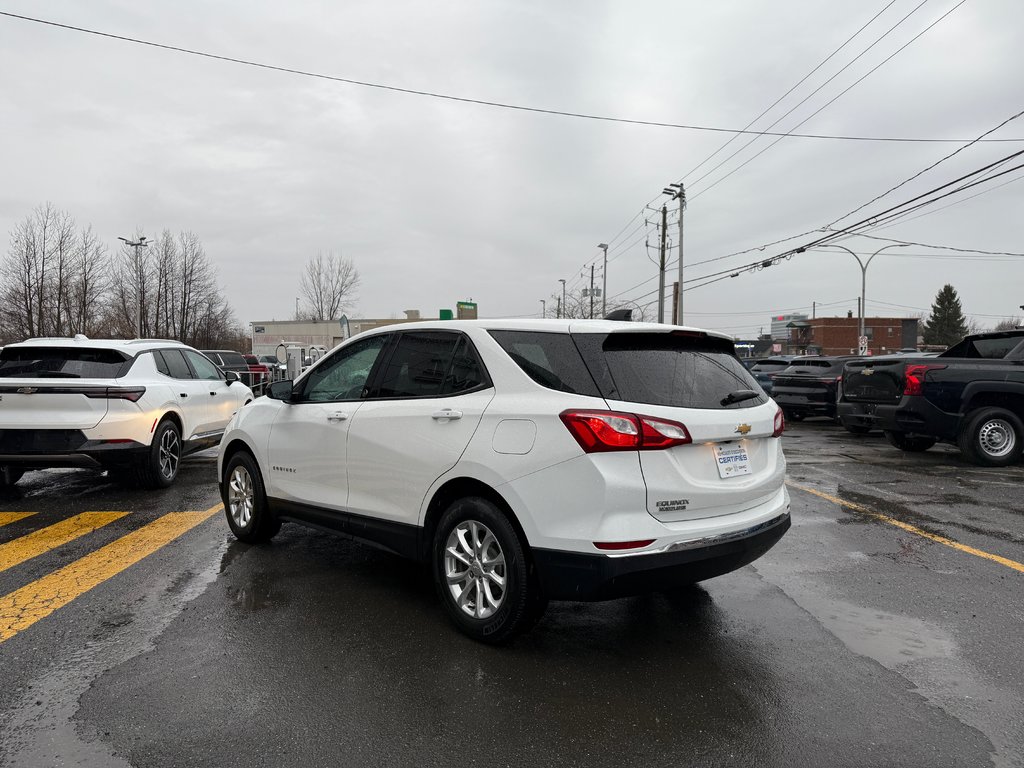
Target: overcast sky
x,y
438,201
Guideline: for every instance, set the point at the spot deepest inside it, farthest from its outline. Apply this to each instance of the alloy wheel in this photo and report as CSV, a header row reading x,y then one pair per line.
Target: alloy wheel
x,y
240,496
475,569
170,453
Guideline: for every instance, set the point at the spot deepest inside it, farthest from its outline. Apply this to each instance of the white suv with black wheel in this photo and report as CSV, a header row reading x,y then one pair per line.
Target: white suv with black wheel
x,y
523,460
131,407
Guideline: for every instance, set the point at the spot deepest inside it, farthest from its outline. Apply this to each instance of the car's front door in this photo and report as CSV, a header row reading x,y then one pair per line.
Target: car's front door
x,y
425,405
309,438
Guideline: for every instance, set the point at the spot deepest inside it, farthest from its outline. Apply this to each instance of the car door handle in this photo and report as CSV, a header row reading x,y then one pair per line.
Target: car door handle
x,y
446,413
337,417
213,394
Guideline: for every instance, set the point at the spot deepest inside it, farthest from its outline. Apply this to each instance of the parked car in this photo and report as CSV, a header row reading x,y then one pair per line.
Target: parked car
x,y
132,407
523,460
273,363
764,370
971,395
809,386
259,372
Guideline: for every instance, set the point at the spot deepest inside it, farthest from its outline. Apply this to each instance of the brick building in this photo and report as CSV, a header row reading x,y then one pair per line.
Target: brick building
x,y
838,335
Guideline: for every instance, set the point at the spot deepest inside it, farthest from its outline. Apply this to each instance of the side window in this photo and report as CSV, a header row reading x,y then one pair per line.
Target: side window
x,y
344,376
550,359
161,364
177,368
466,371
203,367
419,364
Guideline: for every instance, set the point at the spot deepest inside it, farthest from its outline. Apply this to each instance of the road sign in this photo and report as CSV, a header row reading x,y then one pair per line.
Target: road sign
x,y
863,344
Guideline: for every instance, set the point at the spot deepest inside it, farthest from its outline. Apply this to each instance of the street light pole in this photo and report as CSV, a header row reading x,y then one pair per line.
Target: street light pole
x,y
136,244
543,308
604,279
564,307
863,278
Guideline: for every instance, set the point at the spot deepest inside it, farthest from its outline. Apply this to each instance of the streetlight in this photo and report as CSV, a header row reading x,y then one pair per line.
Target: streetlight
x,y
863,277
564,308
543,308
136,244
604,278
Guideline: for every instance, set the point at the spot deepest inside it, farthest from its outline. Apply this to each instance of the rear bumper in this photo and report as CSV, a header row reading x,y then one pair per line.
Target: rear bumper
x,y
43,449
913,415
579,576
813,405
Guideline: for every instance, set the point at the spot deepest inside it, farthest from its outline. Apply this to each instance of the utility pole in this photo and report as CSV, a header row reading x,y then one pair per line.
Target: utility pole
x,y
136,244
604,280
661,266
558,313
591,291
564,307
679,193
543,308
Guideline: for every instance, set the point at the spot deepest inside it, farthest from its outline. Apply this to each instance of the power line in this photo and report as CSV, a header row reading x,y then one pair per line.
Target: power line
x,y
483,102
813,93
834,99
943,247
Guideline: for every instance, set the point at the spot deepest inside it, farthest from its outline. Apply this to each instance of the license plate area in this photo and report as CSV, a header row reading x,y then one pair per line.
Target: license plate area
x,y
732,460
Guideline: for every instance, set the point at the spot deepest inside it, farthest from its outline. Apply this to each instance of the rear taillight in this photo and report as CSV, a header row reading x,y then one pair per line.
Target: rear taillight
x,y
915,378
598,431
116,393
780,424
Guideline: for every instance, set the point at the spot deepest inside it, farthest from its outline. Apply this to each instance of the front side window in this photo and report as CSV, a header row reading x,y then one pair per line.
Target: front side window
x,y
419,365
204,369
343,376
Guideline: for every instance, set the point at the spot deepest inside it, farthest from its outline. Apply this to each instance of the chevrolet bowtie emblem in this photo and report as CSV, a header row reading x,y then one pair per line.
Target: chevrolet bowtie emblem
x,y
27,390
742,429
868,372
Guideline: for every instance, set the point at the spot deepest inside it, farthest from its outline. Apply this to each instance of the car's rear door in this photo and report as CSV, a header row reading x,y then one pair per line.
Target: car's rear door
x,y
733,462
421,414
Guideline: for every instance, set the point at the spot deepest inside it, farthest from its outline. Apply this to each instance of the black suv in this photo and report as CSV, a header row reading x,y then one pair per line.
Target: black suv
x,y
809,386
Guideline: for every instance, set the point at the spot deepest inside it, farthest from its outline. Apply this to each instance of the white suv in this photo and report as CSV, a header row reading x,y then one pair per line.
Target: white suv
x,y
524,460
132,407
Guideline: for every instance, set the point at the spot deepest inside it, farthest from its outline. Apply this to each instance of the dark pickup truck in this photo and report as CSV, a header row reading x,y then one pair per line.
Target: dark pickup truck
x,y
972,395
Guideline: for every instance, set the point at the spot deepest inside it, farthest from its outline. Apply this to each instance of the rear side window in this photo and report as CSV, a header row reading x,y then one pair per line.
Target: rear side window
x,y
466,372
173,364
61,363
233,359
988,349
418,365
681,371
550,359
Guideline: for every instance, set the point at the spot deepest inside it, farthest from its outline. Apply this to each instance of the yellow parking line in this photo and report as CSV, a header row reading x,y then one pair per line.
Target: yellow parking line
x,y
913,529
13,517
24,607
36,543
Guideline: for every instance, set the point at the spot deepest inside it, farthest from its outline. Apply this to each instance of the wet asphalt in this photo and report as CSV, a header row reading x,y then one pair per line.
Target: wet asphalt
x,y
854,642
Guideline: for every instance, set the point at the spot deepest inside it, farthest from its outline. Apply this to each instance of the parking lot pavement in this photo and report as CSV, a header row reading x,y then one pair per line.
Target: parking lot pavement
x,y
882,630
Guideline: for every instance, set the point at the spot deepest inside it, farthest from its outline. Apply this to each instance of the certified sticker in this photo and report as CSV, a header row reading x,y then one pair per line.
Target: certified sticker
x,y
732,460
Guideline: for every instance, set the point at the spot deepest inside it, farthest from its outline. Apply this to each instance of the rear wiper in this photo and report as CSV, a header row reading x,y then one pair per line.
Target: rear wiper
x,y
739,396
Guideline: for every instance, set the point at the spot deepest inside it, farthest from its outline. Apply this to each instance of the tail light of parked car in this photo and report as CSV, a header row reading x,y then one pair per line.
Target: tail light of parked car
x,y
116,393
915,378
598,431
780,424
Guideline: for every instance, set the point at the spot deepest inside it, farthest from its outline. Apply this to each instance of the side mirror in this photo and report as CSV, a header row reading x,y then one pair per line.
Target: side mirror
x,y
231,377
280,390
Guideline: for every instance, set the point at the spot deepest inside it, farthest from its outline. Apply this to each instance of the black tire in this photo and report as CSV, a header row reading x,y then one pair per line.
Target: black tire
x,y
856,429
485,610
910,443
991,437
245,501
9,476
160,466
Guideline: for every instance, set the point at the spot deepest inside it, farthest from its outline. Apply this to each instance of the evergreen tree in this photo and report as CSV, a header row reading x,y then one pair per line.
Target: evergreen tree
x,y
946,325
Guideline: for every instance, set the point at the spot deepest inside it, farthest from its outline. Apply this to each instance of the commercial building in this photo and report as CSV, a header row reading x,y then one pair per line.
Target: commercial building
x,y
268,335
839,336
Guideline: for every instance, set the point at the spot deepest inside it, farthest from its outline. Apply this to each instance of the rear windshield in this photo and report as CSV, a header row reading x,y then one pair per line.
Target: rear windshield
x,y
770,366
995,348
811,366
670,369
61,363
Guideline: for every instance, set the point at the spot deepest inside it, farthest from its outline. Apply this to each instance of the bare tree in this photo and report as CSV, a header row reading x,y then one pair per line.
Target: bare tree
x,y
89,284
1010,324
328,287
577,307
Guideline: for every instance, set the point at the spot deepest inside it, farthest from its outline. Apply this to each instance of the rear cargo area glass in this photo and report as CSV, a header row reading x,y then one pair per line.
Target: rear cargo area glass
x,y
60,363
